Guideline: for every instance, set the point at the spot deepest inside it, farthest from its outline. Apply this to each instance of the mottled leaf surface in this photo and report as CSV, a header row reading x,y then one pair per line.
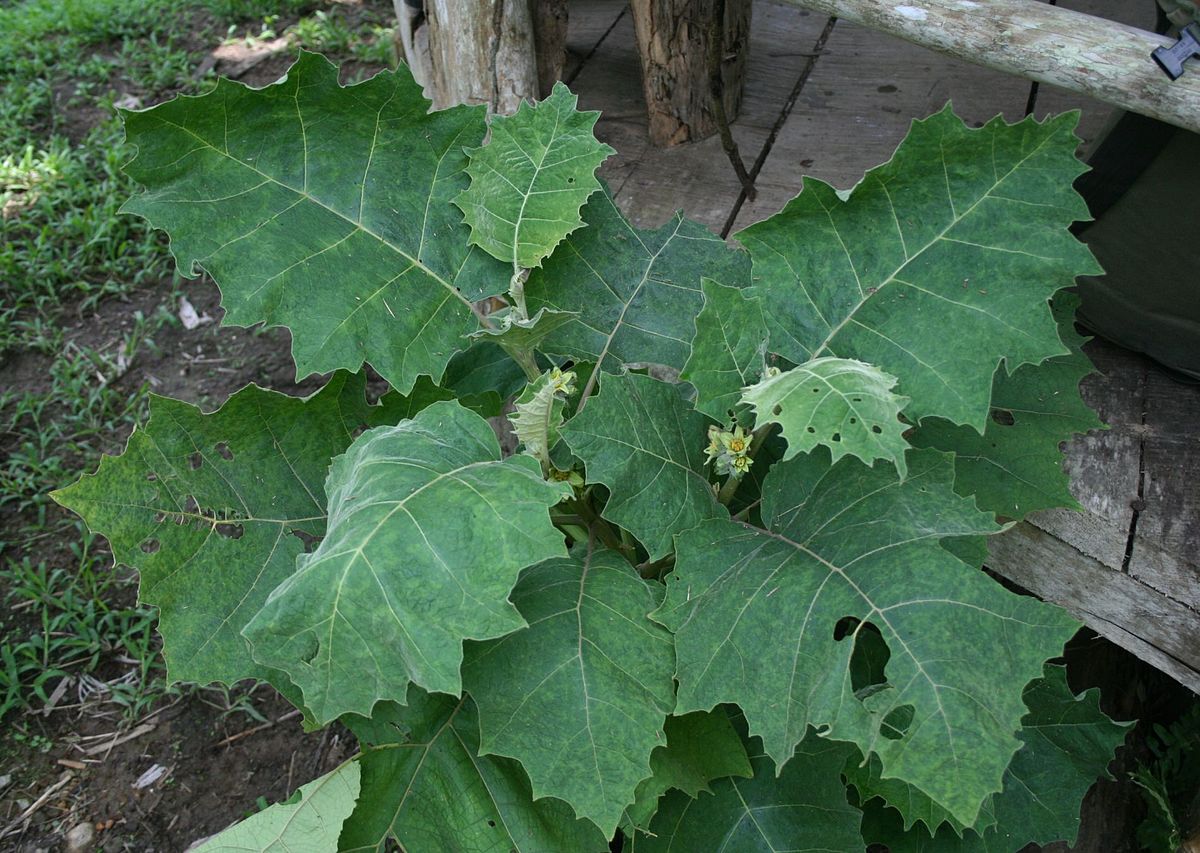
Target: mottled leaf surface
x,y
637,293
579,698
309,825
701,746
1067,744
1015,467
428,531
840,403
936,266
427,788
213,510
530,179
754,615
728,351
325,209
643,441
802,810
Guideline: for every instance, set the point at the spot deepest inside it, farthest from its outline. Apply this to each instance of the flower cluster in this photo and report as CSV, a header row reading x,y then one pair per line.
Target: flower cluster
x,y
729,451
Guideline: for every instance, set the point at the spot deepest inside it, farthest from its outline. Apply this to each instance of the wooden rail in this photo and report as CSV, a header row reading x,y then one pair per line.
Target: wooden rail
x,y
1103,59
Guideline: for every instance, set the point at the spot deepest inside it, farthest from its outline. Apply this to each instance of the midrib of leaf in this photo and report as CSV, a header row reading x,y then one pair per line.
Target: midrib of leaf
x,y
537,170
749,814
954,220
587,389
425,750
303,193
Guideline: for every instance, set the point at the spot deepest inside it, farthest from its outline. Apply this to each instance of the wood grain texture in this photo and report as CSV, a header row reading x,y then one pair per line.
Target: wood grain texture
x,y
1092,56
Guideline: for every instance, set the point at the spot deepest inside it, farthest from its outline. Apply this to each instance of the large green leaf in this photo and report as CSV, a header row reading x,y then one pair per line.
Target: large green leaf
x,y
428,531
579,697
1015,467
637,293
840,403
701,746
426,787
755,615
728,351
308,823
529,181
324,209
213,509
646,444
936,266
1067,744
803,810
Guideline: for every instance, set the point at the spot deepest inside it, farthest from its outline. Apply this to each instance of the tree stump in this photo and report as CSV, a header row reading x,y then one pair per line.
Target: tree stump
x,y
494,52
675,40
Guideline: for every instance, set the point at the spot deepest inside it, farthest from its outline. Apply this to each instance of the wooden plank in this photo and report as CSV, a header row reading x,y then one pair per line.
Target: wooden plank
x,y
1167,545
1103,59
1158,630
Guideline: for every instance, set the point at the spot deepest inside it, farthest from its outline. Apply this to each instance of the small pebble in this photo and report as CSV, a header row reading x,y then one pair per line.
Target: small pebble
x,y
80,837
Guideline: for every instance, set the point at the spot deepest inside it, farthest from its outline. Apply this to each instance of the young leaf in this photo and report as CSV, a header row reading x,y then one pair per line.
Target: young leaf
x,y
428,530
728,351
524,334
1015,467
843,404
529,181
539,414
755,615
323,209
701,746
427,788
936,266
310,824
580,697
646,444
803,809
213,509
1067,744
483,377
637,293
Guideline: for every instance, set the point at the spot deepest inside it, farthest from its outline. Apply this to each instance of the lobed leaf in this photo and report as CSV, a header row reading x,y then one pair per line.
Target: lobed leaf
x,y
646,444
580,697
936,266
756,619
538,416
428,530
213,510
529,181
802,810
1015,467
324,209
840,403
427,788
309,822
729,349
636,292
701,746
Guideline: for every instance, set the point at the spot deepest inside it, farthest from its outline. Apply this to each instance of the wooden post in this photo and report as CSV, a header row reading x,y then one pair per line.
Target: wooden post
x,y
1106,60
494,52
674,38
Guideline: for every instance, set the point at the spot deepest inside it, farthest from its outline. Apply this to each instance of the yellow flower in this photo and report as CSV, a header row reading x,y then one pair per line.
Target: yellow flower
x,y
736,442
564,383
741,464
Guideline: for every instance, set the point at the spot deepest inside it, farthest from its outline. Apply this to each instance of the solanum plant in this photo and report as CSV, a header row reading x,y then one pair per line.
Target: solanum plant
x,y
725,592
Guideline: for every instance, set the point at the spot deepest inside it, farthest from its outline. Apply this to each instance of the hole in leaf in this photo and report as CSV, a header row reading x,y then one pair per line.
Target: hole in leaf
x,y
854,420
190,504
837,436
868,661
1003,417
845,627
778,410
876,429
311,652
160,517
491,823
224,452
196,460
310,541
816,390
358,430
150,546
895,724
230,531
812,429
857,399
151,476
569,181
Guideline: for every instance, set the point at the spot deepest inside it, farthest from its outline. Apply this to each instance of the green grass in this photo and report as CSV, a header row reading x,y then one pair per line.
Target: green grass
x,y
65,252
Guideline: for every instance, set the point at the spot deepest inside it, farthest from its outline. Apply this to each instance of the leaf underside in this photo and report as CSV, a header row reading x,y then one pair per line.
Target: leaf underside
x,y
325,209
580,697
392,574
937,265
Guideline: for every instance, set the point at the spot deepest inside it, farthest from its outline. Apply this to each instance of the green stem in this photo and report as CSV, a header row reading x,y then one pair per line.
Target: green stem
x,y
516,289
602,528
525,358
